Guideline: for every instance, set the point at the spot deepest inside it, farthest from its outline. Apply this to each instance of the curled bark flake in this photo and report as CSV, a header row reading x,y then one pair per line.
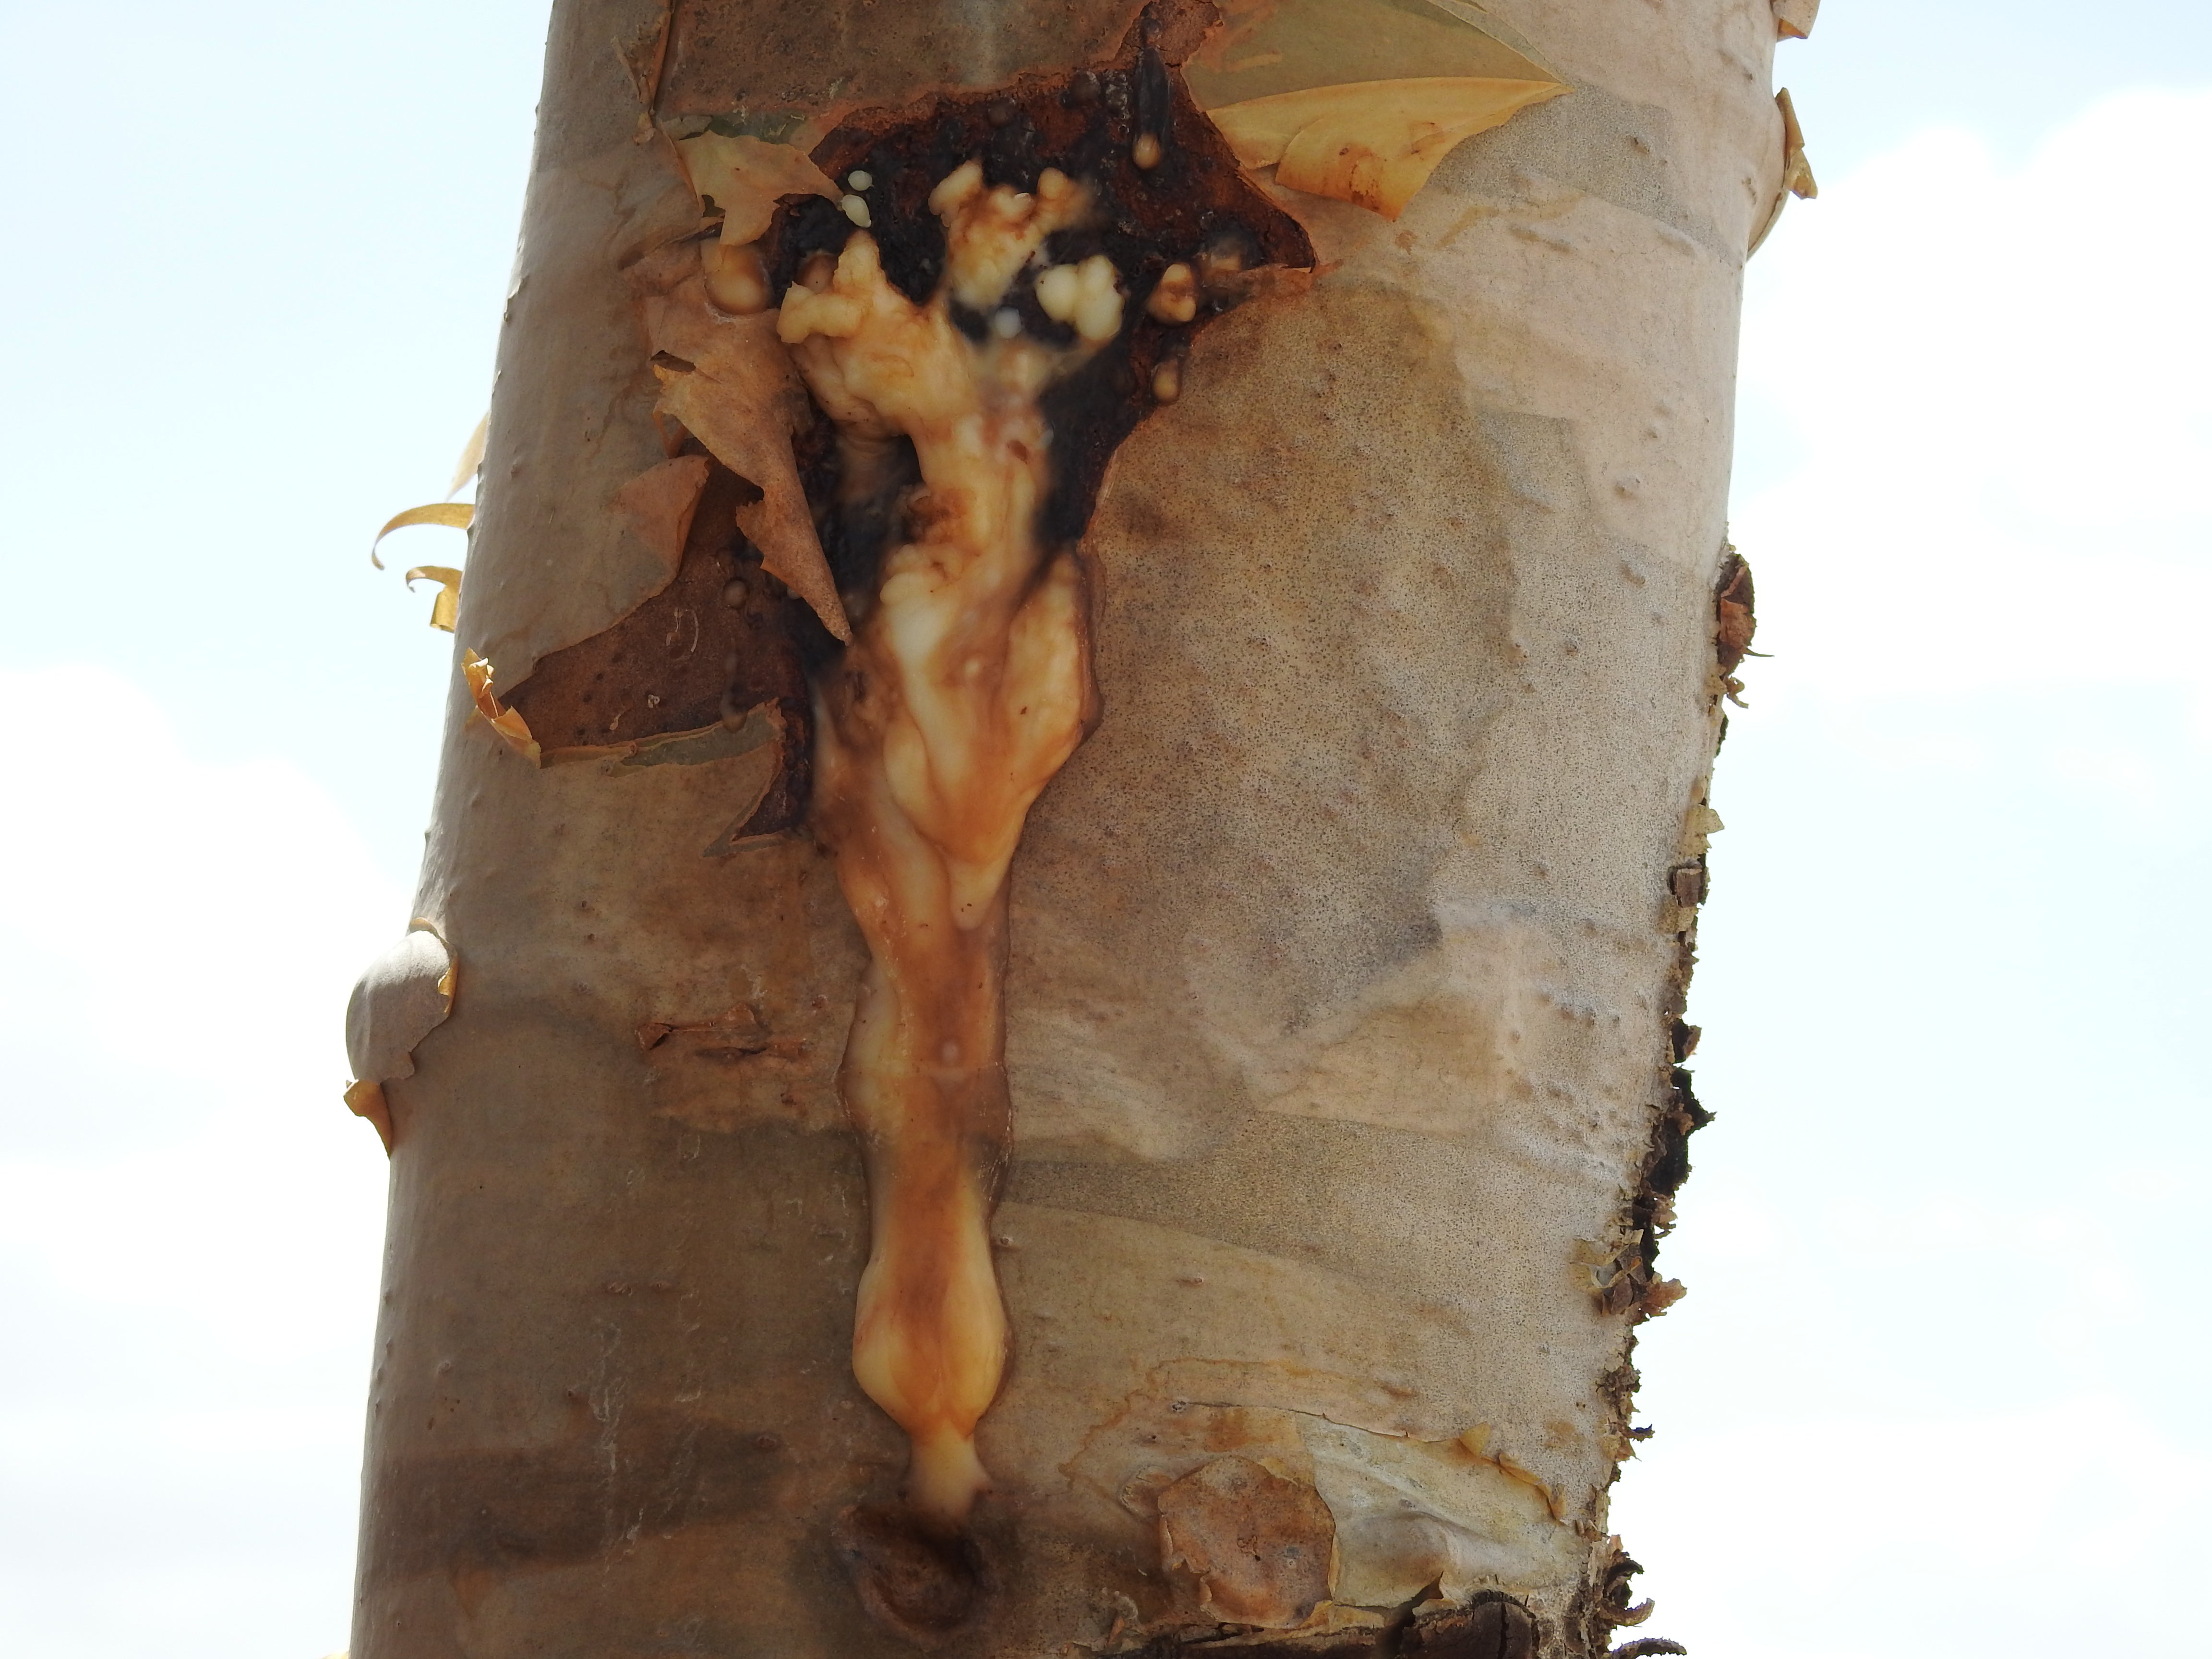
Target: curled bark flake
x,y
445,609
1793,18
366,1099
1373,145
508,725
402,997
1686,883
1735,618
454,515
1359,99
471,455
1796,172
1608,1602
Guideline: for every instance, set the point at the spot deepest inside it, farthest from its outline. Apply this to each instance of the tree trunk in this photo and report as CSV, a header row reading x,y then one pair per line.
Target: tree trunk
x,y
1257,1186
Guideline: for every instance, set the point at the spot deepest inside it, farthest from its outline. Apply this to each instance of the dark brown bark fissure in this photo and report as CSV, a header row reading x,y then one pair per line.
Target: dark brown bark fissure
x,y
1193,206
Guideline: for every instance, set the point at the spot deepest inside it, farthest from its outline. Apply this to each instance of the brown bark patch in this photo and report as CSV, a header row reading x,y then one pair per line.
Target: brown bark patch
x,y
1735,622
1260,1546
1733,619
1193,207
719,642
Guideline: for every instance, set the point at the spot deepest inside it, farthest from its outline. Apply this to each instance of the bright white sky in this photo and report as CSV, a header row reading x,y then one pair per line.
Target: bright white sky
x,y
1935,1393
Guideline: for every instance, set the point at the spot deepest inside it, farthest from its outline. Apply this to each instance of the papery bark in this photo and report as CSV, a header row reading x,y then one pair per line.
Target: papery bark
x,y
1344,963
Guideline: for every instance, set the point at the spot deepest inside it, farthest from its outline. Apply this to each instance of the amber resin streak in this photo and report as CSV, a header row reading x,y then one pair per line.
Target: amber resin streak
x,y
917,348
966,687
978,417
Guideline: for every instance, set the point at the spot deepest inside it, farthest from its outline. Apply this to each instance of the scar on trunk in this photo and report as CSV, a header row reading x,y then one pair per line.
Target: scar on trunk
x,y
1008,285
893,373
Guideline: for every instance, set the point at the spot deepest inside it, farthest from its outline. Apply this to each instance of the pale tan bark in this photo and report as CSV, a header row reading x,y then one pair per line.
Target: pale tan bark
x,y
1344,964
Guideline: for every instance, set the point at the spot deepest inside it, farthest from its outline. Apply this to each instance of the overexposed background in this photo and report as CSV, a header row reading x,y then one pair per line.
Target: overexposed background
x,y
1934,1392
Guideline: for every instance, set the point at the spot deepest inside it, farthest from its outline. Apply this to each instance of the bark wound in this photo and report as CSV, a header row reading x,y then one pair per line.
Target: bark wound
x,y
1259,1545
721,645
1033,260
894,374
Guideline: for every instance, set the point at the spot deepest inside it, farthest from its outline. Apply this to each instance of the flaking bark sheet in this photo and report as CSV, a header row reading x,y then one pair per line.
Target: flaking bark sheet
x,y
1359,101
405,995
1793,18
730,382
1796,172
743,177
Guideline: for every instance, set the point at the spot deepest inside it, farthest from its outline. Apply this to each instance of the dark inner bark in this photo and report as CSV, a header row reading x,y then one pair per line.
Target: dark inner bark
x,y
690,656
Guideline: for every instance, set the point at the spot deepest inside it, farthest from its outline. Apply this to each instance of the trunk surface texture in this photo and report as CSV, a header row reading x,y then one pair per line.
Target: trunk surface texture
x,y
915,413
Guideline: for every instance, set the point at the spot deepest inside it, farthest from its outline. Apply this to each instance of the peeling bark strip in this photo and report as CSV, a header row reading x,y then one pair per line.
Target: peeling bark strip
x,y
1294,432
